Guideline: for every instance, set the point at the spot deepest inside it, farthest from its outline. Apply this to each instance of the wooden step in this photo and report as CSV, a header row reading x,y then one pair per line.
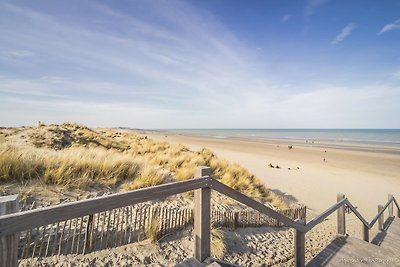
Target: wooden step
x,y
351,251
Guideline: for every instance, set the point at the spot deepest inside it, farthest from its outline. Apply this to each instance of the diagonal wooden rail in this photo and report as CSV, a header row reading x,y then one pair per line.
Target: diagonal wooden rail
x,y
12,224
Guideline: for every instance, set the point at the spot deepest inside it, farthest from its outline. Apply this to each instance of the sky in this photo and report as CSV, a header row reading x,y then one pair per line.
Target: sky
x,y
201,64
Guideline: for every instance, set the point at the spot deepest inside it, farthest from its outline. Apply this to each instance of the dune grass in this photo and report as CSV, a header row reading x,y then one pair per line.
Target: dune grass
x,y
75,167
152,230
77,156
183,162
218,245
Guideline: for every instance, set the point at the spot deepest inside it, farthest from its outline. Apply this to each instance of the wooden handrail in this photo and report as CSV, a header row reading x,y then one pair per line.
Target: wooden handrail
x,y
20,221
375,219
236,195
320,218
355,211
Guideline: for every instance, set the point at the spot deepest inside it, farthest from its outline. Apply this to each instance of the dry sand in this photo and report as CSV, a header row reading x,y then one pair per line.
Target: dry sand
x,y
364,175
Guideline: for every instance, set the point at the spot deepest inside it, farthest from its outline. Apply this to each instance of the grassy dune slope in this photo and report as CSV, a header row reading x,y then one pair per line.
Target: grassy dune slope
x,y
76,156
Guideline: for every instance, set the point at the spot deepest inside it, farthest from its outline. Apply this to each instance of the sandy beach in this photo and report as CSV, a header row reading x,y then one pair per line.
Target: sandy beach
x,y
365,174
310,174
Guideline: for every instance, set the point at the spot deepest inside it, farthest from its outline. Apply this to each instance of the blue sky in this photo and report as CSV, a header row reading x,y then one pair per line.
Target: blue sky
x,y
201,64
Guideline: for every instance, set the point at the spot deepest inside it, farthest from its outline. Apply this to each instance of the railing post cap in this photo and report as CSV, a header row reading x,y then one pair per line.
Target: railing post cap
x,y
9,198
202,171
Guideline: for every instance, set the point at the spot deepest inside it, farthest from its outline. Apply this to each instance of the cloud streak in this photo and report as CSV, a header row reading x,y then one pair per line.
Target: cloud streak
x,y
389,27
17,53
313,5
175,65
344,33
285,18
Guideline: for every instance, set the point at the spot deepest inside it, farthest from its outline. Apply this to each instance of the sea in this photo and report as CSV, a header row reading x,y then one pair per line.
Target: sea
x,y
379,137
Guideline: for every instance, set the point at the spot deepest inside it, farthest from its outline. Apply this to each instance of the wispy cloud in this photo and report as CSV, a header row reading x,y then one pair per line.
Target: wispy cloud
x,y
389,27
176,66
17,53
285,18
175,62
313,5
344,33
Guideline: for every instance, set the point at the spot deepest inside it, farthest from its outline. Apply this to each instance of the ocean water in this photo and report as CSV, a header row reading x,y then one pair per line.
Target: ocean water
x,y
389,137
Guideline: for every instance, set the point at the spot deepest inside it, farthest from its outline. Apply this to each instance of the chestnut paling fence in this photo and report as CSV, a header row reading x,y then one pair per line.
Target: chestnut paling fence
x,y
87,225
126,225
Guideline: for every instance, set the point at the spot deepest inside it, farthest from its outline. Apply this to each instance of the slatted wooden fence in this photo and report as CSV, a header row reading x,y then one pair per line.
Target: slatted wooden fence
x,y
252,218
128,225
101,230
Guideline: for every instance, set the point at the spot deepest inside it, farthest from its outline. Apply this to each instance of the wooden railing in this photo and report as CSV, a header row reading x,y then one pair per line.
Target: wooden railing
x,y
12,224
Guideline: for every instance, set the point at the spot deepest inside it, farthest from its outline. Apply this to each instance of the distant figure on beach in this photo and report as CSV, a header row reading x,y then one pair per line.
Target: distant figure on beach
x,y
145,137
290,147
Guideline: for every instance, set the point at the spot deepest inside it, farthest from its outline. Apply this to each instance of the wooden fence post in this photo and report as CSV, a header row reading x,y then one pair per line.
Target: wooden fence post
x,y
9,243
341,218
365,233
202,231
380,219
390,207
300,249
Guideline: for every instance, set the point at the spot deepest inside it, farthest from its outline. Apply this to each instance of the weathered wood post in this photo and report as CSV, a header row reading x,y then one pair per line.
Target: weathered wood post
x,y
390,207
341,218
300,248
365,233
9,243
202,232
380,218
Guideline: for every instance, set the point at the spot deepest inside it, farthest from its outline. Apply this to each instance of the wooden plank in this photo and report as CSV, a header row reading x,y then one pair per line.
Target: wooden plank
x,y
350,251
79,235
390,207
48,241
27,245
41,240
55,239
61,238
87,247
202,223
380,219
9,242
68,236
365,233
232,193
341,216
300,247
116,228
35,242
43,216
391,238
104,223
